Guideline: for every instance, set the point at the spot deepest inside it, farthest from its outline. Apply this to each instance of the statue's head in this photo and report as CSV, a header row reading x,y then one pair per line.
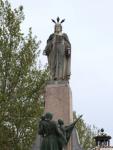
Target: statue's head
x,y
48,116
43,117
58,26
60,122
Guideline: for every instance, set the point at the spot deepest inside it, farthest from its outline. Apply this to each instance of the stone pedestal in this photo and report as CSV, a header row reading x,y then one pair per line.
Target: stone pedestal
x,y
58,100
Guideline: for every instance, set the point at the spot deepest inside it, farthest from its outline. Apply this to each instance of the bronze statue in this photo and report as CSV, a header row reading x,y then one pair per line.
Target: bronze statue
x,y
55,135
58,51
48,129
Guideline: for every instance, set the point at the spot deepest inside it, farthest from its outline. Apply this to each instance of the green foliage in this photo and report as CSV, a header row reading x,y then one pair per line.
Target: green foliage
x,y
86,133
21,81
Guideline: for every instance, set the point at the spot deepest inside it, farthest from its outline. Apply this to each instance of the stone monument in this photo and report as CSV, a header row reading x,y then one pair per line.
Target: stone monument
x,y
58,96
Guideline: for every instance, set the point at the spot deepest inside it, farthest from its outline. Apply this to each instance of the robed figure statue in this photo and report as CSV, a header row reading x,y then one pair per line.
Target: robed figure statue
x,y
58,51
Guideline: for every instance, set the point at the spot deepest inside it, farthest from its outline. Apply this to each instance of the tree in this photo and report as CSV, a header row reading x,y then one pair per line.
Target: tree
x,y
21,81
86,133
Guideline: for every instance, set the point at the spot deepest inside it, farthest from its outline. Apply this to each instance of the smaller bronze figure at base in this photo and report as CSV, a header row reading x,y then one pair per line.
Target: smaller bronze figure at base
x,y
55,134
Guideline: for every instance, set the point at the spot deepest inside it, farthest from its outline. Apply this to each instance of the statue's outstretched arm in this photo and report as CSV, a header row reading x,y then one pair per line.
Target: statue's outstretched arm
x,y
70,128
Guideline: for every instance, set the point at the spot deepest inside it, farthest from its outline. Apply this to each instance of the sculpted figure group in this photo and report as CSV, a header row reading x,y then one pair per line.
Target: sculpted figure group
x,y
55,135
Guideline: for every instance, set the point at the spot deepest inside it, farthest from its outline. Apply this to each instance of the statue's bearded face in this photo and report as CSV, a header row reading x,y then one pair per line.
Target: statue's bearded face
x,y
58,28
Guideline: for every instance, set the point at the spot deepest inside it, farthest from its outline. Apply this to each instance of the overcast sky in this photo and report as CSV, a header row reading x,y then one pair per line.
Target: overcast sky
x,y
89,25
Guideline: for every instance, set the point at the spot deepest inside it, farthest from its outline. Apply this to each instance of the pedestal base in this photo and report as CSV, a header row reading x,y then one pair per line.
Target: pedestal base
x,y
58,100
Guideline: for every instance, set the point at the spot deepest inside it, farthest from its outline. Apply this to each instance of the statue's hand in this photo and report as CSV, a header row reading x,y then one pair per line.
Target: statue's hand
x,y
46,52
68,52
78,119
